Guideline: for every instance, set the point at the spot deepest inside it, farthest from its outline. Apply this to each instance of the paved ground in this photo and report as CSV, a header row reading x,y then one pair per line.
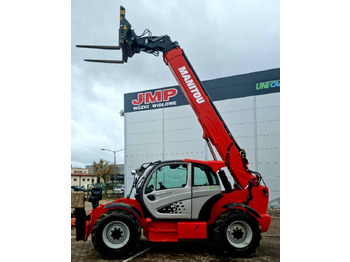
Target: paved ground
x,y
269,250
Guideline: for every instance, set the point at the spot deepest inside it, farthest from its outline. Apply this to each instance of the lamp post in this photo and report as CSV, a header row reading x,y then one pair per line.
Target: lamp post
x,y
114,151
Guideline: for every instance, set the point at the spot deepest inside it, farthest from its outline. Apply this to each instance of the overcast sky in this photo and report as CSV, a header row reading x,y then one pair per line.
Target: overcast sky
x,y
220,38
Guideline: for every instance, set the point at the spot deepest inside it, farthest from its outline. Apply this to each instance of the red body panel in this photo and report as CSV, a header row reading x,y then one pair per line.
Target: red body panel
x,y
172,231
192,230
213,127
259,203
97,212
161,231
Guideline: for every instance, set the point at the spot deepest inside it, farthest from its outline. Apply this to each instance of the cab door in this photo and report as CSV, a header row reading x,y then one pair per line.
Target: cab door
x,y
205,185
167,191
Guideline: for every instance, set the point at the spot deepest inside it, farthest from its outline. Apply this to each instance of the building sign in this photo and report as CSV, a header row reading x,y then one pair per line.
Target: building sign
x,y
268,84
154,99
252,84
158,96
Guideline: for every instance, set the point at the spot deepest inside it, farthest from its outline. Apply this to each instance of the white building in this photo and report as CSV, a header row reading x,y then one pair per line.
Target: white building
x,y
161,125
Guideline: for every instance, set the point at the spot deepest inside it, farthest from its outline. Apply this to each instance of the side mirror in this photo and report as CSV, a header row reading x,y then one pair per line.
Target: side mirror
x,y
138,172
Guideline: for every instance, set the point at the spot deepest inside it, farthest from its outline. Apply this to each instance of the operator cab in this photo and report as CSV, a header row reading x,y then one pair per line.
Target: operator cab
x,y
178,189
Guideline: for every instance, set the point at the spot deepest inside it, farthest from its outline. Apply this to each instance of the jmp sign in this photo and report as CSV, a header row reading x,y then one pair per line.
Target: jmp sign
x,y
154,99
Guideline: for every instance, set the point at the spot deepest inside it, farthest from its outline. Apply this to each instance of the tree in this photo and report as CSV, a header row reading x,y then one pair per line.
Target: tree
x,y
103,169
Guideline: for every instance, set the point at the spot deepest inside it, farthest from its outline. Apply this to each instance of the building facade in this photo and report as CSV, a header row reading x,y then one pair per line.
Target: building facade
x,y
78,170
161,125
83,179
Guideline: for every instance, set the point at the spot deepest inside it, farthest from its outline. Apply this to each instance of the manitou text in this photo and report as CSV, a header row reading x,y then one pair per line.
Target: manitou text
x,y
191,85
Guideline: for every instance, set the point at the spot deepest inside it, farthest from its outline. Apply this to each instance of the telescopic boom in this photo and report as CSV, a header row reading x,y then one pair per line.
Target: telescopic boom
x,y
215,131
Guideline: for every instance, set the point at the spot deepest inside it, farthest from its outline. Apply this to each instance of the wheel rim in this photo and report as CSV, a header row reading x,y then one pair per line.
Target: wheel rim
x,y
239,234
116,234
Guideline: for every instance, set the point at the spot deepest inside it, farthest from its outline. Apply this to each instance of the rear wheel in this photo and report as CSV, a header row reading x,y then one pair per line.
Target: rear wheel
x,y
237,233
116,234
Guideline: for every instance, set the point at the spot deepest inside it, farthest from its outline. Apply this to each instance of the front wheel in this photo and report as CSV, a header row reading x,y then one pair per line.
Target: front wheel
x,y
237,233
116,234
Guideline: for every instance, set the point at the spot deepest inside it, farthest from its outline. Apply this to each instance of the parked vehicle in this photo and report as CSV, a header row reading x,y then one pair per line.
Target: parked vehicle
x,y
119,189
78,188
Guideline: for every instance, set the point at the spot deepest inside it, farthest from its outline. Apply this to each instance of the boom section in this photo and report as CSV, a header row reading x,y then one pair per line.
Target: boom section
x,y
214,128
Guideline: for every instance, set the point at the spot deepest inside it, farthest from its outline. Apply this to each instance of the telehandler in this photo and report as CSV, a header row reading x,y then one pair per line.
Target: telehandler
x,y
181,199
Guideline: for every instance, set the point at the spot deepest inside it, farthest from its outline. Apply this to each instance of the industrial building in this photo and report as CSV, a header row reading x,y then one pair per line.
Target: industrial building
x,y
161,125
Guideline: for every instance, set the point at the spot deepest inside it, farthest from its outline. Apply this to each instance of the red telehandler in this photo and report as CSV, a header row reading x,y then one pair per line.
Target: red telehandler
x,y
181,199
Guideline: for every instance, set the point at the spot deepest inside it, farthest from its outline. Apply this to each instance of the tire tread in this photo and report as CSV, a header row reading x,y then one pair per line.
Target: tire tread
x,y
219,233
123,252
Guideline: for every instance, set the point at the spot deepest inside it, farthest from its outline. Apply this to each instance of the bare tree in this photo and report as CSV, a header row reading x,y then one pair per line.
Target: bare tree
x,y
103,169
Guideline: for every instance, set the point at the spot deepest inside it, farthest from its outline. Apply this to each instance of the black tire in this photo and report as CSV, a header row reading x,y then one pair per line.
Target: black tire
x,y
116,234
237,233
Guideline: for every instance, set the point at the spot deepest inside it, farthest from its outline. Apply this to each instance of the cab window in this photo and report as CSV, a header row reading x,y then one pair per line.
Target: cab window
x,y
171,176
150,185
203,176
167,176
